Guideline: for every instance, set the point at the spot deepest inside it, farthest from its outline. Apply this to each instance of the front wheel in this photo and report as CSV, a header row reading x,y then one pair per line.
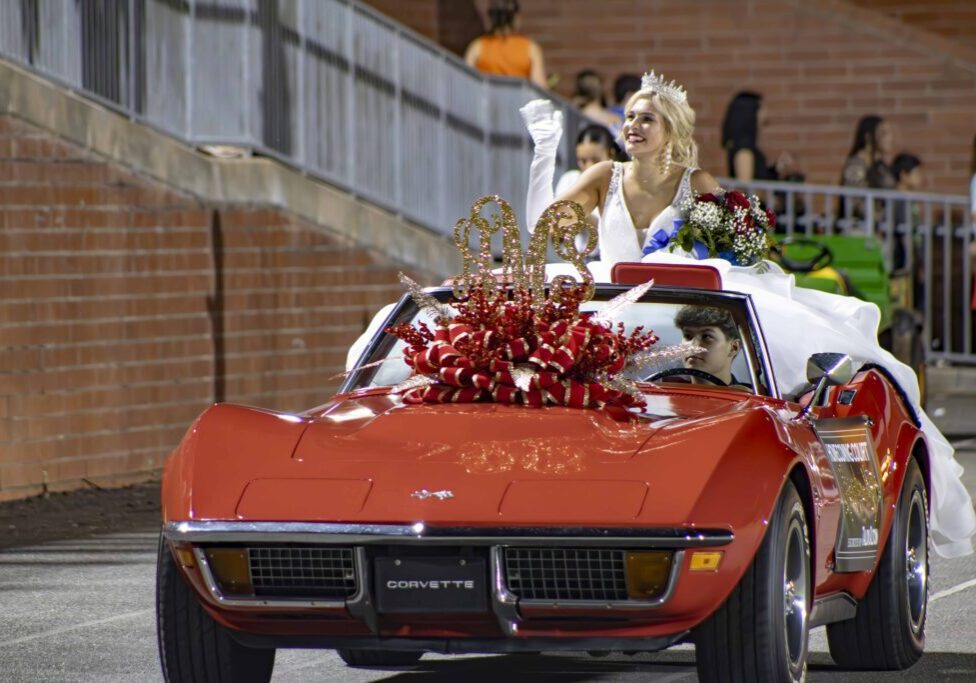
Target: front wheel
x,y
192,646
761,632
888,632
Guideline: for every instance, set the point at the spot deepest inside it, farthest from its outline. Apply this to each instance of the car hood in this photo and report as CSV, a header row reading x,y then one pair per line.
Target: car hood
x,y
473,435
372,458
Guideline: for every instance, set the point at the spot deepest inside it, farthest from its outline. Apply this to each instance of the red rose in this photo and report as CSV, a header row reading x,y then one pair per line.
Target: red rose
x,y
708,197
736,200
771,217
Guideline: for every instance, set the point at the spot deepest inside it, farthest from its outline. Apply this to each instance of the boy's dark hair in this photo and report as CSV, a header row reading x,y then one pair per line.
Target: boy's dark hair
x,y
707,316
904,163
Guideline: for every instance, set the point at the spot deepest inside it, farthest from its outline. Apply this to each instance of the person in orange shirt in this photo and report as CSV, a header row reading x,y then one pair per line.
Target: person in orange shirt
x,y
503,51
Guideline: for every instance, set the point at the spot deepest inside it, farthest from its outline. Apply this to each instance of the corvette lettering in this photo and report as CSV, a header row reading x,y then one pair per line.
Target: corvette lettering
x,y
433,584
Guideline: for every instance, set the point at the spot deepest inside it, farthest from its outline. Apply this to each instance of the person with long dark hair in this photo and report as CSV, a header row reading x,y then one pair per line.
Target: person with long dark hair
x,y
503,51
744,118
866,164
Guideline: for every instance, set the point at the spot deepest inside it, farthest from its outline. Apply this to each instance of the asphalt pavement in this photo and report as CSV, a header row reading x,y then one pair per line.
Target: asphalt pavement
x,y
82,610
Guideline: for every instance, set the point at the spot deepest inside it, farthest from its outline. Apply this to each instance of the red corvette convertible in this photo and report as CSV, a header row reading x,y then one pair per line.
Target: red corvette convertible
x,y
718,513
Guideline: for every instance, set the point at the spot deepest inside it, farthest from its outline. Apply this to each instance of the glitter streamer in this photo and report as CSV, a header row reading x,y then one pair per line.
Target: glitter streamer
x,y
650,358
414,382
620,303
438,312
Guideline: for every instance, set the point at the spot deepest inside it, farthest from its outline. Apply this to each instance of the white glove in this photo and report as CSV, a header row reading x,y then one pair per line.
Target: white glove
x,y
545,124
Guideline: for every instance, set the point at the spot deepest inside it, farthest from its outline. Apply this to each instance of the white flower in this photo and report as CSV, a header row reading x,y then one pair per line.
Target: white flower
x,y
706,214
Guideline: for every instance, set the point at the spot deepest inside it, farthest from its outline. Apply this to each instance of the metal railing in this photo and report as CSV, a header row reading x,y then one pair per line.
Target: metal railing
x,y
347,95
926,237
331,87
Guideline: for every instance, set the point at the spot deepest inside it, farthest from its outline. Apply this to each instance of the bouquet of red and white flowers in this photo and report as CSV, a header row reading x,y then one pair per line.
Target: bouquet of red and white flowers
x,y
730,226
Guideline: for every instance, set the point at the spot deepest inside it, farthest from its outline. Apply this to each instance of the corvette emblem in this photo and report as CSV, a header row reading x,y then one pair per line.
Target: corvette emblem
x,y
424,494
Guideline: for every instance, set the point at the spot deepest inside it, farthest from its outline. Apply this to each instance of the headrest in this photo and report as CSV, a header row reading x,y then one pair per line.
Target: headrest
x,y
667,275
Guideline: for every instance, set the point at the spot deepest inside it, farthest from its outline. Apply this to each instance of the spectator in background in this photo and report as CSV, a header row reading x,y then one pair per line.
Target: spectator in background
x,y
907,171
589,97
593,144
866,165
744,118
503,51
623,89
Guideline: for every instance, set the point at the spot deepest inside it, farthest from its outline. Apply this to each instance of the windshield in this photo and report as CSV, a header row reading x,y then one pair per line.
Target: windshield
x,y
705,319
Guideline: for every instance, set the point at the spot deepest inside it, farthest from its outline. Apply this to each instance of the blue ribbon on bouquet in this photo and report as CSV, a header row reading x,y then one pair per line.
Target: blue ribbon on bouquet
x,y
660,239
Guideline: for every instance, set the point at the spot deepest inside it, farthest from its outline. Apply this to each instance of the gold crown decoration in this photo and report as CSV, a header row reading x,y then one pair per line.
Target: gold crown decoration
x,y
668,89
526,271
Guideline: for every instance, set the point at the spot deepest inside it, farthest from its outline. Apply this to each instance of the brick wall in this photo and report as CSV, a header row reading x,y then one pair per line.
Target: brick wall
x,y
953,18
418,15
451,23
821,64
127,308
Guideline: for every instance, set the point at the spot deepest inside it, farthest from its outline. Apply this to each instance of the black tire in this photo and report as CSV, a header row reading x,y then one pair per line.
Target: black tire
x,y
761,632
192,646
888,632
356,657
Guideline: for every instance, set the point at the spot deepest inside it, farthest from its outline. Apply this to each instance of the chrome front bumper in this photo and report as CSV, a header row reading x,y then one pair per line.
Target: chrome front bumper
x,y
504,604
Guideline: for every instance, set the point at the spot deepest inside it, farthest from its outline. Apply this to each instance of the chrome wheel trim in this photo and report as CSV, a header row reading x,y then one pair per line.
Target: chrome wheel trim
x,y
916,561
796,589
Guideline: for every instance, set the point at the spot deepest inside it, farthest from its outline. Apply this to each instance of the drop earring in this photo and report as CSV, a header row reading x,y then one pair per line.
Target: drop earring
x,y
665,161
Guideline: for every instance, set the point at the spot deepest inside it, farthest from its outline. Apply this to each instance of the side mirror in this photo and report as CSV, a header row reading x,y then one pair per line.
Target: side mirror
x,y
833,368
824,370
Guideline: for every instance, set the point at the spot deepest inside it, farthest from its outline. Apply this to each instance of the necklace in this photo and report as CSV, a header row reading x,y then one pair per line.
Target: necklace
x,y
651,185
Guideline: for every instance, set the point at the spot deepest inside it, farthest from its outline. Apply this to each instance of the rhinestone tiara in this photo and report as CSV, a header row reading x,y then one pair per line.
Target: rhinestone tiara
x,y
669,89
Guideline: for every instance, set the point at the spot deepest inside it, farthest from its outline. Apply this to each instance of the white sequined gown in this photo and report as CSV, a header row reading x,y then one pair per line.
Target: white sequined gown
x,y
796,321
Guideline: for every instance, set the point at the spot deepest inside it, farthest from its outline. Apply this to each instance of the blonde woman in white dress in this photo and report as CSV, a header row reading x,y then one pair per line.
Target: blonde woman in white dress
x,y
637,199
639,202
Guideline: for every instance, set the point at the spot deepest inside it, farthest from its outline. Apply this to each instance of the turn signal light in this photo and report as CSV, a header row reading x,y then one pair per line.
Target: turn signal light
x,y
706,560
647,574
184,555
231,570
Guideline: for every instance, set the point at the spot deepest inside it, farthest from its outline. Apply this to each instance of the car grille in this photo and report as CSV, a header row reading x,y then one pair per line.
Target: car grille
x,y
566,573
303,572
